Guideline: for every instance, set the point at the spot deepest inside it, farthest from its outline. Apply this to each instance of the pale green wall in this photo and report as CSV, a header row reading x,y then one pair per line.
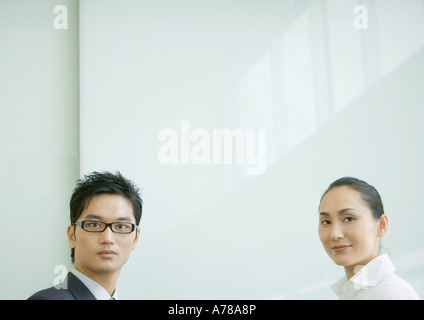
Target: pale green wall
x,y
334,101
39,142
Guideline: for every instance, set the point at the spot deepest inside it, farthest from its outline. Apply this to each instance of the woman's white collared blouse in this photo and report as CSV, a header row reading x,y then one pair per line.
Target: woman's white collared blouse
x,y
375,281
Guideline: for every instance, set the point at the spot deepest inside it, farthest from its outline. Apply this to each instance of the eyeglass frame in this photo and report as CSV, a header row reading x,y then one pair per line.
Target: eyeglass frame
x,y
81,224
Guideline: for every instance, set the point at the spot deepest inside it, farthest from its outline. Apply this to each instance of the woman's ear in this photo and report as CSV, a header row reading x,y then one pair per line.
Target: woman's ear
x,y
382,226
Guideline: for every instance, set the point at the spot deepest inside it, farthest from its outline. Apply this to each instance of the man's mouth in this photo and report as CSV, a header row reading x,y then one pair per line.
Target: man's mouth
x,y
107,253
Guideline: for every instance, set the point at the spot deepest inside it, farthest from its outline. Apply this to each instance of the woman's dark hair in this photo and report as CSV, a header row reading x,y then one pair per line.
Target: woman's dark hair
x,y
368,193
97,183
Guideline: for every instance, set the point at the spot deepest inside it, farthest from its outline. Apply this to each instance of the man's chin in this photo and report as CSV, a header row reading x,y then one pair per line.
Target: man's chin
x,y
105,266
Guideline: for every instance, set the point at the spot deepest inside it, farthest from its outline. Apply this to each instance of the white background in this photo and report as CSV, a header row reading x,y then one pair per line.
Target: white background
x,y
334,100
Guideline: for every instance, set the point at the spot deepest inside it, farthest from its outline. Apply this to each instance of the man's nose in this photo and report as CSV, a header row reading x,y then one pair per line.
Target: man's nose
x,y
107,236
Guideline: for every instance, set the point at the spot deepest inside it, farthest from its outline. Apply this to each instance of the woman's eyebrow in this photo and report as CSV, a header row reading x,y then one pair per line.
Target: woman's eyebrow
x,y
346,209
339,212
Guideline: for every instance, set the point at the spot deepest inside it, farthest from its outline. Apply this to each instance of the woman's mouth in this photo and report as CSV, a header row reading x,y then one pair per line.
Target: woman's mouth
x,y
341,248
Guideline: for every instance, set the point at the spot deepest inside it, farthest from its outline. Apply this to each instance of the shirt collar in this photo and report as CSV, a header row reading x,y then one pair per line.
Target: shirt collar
x,y
369,275
375,271
96,289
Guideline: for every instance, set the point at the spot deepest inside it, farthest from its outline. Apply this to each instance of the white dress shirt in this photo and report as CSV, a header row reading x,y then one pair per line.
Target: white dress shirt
x,y
375,281
96,289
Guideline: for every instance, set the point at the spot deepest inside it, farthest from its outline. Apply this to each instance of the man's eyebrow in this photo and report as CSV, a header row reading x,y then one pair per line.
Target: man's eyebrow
x,y
95,216
124,219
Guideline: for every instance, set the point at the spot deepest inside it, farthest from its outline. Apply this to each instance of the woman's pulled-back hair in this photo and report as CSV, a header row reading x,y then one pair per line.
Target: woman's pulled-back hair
x,y
368,193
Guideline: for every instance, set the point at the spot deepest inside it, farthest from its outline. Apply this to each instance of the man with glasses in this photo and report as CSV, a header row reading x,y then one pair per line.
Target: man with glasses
x,y
105,214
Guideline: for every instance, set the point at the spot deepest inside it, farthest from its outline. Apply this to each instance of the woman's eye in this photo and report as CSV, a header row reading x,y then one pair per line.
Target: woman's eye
x,y
325,222
349,219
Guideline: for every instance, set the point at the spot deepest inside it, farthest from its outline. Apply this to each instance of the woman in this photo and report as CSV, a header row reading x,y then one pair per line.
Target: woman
x,y
351,223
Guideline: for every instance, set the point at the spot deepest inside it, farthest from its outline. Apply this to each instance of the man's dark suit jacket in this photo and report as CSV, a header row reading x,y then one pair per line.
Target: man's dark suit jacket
x,y
75,290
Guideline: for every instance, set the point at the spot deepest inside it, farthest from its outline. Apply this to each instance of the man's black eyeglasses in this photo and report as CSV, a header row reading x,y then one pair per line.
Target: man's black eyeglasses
x,y
99,226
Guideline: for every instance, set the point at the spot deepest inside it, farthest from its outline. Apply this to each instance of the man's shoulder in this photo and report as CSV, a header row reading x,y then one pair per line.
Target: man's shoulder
x,y
53,293
71,289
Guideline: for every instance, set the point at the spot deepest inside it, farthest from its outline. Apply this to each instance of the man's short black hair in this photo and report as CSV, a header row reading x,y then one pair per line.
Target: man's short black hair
x,y
97,183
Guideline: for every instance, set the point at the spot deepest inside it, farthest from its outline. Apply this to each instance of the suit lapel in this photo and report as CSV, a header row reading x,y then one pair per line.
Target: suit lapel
x,y
78,289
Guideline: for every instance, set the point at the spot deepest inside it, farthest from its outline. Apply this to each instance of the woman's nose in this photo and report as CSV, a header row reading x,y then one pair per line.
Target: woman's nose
x,y
336,232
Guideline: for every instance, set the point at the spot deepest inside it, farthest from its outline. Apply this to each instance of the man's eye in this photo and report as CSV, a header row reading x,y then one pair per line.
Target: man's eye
x,y
325,222
349,219
93,224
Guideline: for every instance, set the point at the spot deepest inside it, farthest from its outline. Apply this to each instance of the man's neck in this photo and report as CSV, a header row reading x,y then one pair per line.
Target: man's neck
x,y
106,280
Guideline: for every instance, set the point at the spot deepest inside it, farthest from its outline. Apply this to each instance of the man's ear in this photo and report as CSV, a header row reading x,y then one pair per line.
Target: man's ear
x,y
382,226
71,236
136,238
